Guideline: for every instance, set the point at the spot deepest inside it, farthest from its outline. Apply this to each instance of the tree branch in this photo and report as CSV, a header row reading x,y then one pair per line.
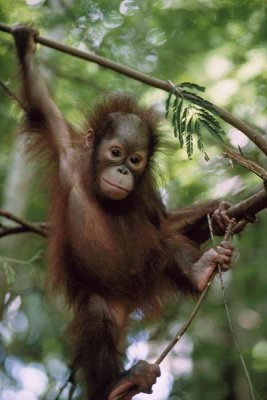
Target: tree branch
x,y
23,226
192,316
246,162
148,80
200,301
246,209
12,95
10,230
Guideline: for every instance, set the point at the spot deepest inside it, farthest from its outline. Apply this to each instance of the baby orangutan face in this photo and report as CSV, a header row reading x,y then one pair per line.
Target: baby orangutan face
x,y
122,157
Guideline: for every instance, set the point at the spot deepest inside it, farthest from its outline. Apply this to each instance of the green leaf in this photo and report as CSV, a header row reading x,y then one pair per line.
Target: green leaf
x,y
174,121
189,120
207,115
202,102
10,273
197,129
167,104
213,130
192,86
189,144
183,121
178,115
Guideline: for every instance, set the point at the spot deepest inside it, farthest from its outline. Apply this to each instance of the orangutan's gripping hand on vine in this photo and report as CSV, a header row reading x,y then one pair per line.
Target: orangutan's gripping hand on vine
x,y
205,266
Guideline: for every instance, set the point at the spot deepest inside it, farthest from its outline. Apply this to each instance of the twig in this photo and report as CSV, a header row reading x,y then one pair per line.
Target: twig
x,y
72,390
195,310
246,209
70,380
148,80
12,95
238,349
185,327
30,261
10,230
246,162
187,324
25,226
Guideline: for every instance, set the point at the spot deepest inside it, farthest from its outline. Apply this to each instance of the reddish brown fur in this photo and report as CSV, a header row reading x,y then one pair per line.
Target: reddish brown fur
x,y
146,255
123,103
138,257
108,258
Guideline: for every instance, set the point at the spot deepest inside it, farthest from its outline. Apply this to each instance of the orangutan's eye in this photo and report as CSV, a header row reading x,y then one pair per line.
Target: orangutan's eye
x,y
116,152
135,160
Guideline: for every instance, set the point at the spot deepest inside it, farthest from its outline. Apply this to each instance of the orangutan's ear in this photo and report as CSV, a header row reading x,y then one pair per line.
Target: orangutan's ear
x,y
90,136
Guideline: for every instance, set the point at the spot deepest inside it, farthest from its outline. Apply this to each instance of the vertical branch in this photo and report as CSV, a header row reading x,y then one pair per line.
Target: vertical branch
x,y
238,349
200,301
237,346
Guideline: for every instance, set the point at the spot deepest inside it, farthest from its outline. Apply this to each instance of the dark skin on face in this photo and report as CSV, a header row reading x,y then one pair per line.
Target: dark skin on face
x,y
108,263
122,157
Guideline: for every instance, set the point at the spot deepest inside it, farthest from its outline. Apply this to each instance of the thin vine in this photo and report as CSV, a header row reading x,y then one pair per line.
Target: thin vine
x,y
237,346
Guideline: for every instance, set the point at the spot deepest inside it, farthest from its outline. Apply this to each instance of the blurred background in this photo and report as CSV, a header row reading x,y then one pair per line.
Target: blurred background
x,y
220,44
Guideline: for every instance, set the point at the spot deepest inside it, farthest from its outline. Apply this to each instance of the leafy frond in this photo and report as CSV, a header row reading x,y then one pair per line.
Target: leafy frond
x,y
190,117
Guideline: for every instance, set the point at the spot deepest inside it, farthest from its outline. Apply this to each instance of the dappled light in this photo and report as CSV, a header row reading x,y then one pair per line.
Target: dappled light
x,y
229,186
129,7
249,319
237,138
32,379
259,355
35,3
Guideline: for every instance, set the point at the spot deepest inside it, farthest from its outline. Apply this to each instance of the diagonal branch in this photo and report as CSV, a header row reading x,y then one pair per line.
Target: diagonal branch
x,y
148,80
23,226
246,162
200,301
246,209
12,95
12,230
191,318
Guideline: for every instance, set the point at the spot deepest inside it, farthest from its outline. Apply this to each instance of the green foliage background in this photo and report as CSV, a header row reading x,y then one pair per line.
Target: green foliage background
x,y
218,44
